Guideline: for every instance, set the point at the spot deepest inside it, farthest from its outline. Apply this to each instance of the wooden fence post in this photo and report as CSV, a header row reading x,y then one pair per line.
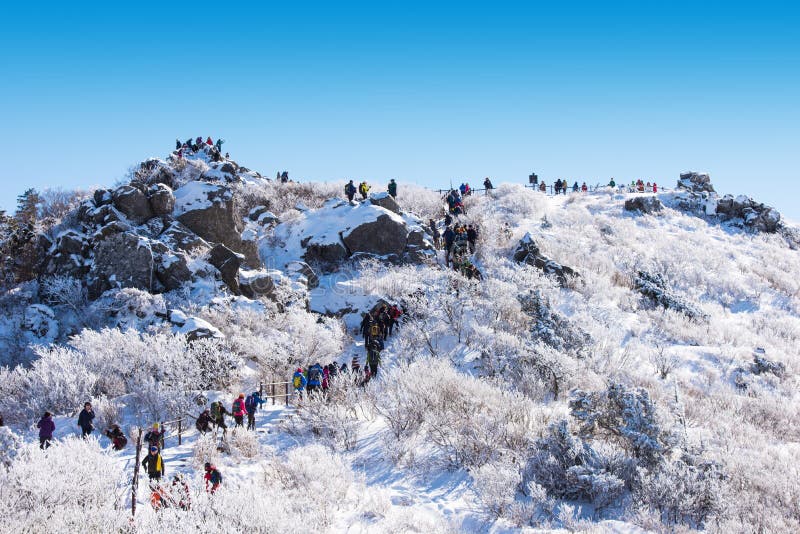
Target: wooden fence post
x,y
287,392
135,482
272,388
261,389
180,428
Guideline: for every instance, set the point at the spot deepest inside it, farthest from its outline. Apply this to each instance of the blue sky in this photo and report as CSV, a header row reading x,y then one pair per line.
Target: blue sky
x,y
421,91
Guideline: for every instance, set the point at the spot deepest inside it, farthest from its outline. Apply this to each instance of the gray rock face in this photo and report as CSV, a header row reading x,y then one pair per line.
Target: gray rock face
x,y
755,214
386,201
262,216
171,268
655,287
528,252
695,181
122,260
71,242
132,203
177,237
106,231
645,205
324,254
102,197
383,236
256,284
162,199
227,263
212,217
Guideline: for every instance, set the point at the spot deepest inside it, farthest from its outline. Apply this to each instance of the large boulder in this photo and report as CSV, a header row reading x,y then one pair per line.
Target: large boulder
x,y
386,201
71,242
209,211
177,237
256,284
227,263
171,268
384,236
695,181
527,251
162,199
193,328
302,272
121,260
132,203
645,205
324,253
754,214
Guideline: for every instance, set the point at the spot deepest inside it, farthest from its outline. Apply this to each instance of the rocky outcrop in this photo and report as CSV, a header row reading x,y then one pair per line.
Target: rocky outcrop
x,y
382,237
695,181
262,216
209,210
162,199
121,260
177,237
528,252
754,214
324,253
132,203
386,201
257,284
193,328
227,263
645,205
303,273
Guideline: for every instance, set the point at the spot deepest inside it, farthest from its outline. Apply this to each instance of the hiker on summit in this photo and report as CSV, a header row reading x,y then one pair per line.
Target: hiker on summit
x,y
251,404
363,189
584,188
575,187
392,189
350,190
543,187
487,184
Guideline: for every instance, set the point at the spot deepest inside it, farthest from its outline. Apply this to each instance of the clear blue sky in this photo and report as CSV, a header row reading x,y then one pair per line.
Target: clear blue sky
x,y
421,91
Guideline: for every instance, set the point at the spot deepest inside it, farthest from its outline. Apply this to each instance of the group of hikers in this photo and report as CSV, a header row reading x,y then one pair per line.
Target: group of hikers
x,y
193,146
639,186
363,188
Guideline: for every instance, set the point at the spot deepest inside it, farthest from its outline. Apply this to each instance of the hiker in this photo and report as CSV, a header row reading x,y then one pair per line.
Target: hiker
x,y
363,189
156,436
612,183
355,366
655,188
384,320
209,142
392,188
448,220
350,190
374,356
180,494
218,413
46,428
487,184
463,189
213,477
154,464
285,177
543,187
314,378
203,423
177,144
575,187
394,313
158,497
251,404
299,382
472,237
239,410
584,188
326,375
449,237
218,144
85,419
117,437
366,327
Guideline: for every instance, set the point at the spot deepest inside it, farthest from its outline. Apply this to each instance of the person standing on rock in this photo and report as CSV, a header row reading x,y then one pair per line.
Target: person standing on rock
x,y
487,184
46,428
350,190
85,419
392,188
363,188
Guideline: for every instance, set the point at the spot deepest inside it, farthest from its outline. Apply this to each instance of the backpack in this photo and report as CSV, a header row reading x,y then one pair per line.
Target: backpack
x,y
250,403
297,382
216,477
314,375
215,411
374,330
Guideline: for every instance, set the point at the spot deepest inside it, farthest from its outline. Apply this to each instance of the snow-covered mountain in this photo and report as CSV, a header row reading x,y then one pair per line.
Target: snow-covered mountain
x,y
625,361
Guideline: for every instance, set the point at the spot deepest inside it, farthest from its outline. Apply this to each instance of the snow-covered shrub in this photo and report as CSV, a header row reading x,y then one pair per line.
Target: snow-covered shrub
x,y
624,415
686,490
71,487
9,445
244,444
496,486
205,450
420,201
569,468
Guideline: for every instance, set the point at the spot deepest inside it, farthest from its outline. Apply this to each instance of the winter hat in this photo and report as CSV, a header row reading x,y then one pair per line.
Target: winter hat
x,y
299,369
241,395
155,426
153,449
